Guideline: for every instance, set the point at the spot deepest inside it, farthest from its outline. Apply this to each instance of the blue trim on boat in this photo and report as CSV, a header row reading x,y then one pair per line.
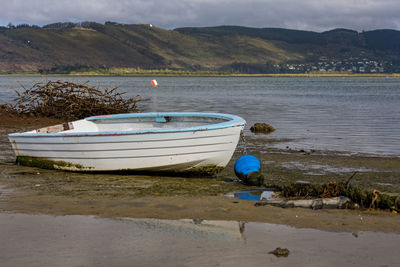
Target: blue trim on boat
x,y
232,121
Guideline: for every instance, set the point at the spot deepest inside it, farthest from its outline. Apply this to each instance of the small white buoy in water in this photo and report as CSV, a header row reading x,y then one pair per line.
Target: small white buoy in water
x,y
154,83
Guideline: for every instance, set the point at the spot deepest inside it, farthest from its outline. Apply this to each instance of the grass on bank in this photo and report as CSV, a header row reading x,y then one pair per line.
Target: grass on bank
x,y
121,71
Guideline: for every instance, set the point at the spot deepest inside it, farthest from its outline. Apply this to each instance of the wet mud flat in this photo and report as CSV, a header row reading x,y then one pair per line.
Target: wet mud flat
x,y
44,240
33,190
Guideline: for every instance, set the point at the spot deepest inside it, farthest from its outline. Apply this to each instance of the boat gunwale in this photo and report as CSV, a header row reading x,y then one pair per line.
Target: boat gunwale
x,y
231,121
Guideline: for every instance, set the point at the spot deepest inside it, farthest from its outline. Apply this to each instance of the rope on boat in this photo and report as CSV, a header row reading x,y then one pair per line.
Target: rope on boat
x,y
244,142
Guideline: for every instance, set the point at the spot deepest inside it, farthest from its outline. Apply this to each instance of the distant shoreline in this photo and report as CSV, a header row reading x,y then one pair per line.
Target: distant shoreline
x,y
387,75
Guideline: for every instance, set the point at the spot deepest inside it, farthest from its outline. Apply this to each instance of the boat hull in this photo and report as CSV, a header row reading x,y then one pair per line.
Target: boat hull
x,y
203,151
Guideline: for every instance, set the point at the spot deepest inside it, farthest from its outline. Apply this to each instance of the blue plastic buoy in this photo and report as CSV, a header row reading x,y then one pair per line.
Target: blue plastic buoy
x,y
247,164
248,169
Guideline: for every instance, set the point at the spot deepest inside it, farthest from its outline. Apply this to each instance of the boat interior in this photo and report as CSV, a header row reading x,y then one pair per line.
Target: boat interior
x,y
104,124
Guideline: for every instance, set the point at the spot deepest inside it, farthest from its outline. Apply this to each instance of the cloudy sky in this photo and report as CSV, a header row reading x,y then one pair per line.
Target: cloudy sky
x,y
315,15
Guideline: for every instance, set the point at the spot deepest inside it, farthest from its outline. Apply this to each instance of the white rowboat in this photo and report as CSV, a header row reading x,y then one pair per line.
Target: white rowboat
x,y
178,142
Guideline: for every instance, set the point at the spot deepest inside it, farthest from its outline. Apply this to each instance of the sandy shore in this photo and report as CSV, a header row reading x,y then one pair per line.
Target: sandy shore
x,y
37,191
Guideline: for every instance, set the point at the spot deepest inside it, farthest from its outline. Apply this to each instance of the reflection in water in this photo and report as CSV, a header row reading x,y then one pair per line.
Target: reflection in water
x,y
42,240
215,230
256,194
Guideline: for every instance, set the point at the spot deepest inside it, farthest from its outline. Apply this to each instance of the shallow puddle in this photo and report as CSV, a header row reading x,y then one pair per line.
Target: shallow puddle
x,y
42,240
255,194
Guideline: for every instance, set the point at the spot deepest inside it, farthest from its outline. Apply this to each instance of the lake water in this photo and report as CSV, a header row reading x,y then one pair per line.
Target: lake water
x,y
357,115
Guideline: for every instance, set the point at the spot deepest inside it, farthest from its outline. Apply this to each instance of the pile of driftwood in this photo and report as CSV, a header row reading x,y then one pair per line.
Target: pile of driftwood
x,y
68,100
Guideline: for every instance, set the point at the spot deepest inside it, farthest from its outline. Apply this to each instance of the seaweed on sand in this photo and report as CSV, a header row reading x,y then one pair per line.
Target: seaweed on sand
x,y
363,198
260,127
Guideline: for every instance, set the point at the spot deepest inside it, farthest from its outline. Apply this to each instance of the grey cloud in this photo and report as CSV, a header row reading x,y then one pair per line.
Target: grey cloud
x,y
317,15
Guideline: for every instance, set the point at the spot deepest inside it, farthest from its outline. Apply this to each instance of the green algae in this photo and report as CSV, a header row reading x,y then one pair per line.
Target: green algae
x,y
44,163
260,127
207,170
253,178
210,170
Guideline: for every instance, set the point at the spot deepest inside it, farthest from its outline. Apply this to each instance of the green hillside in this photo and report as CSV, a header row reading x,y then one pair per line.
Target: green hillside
x,y
89,46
